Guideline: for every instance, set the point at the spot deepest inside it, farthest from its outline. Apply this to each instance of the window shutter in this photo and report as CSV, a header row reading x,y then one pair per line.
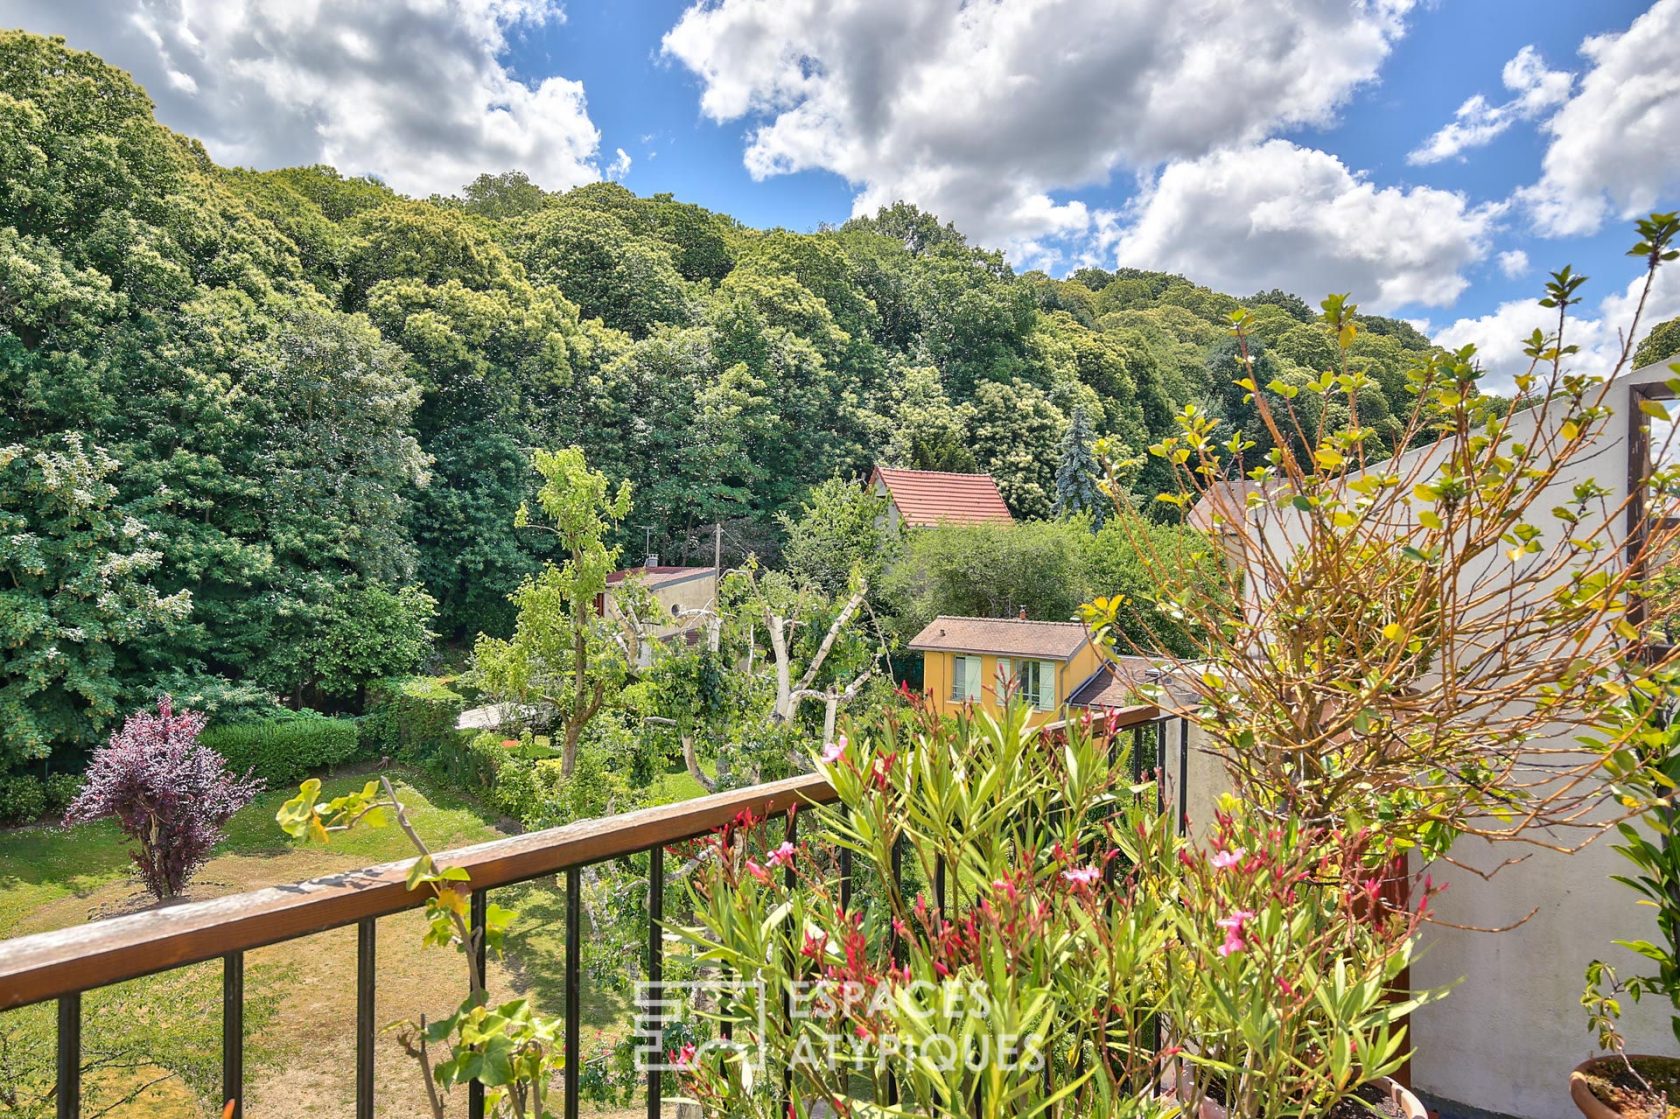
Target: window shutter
x,y
971,678
1046,685
1003,680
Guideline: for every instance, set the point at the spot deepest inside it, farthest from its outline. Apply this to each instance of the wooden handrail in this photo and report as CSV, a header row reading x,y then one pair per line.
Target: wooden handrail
x,y
47,965
66,961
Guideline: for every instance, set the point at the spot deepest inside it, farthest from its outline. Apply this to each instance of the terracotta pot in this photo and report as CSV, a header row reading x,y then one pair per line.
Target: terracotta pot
x,y
1591,1106
1410,1106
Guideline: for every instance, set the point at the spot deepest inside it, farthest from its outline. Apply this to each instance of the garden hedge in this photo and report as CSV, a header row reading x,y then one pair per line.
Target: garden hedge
x,y
285,750
412,717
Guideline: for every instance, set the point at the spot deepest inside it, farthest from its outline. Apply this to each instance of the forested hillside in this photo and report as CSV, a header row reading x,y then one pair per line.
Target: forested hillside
x,y
255,424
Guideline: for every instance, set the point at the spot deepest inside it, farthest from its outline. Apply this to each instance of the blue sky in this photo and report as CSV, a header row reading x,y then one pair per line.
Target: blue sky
x,y
1245,143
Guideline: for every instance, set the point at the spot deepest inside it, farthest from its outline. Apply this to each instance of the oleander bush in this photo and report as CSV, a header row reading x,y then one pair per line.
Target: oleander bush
x,y
1052,945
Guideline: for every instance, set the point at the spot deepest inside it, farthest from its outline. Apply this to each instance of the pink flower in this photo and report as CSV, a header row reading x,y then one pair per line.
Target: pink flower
x,y
1225,860
1233,926
782,856
758,872
831,753
1082,876
684,1057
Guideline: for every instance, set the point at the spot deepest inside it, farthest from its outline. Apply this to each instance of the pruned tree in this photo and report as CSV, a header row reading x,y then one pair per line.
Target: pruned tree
x,y
820,647
564,653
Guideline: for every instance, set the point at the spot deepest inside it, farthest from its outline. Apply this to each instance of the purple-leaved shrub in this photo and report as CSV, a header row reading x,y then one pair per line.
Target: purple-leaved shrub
x,y
170,793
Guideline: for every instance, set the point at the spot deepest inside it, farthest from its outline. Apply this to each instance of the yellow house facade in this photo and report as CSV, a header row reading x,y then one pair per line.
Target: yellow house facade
x,y
991,662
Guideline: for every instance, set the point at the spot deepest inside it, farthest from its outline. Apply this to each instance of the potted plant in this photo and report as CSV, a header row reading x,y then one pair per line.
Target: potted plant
x,y
1646,776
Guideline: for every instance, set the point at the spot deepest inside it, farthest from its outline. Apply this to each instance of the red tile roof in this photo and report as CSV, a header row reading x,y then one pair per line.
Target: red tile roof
x,y
930,497
1004,637
659,576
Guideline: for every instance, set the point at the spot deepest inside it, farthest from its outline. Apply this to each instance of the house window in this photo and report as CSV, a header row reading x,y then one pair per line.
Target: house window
x,y
1033,681
1653,453
965,678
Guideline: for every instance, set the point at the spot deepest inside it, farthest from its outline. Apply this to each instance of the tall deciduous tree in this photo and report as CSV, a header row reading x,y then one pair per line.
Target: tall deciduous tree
x,y
562,653
1662,342
840,532
75,598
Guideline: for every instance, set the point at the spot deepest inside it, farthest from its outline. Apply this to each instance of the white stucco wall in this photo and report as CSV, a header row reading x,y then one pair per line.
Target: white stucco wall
x,y
1505,1039
1507,1036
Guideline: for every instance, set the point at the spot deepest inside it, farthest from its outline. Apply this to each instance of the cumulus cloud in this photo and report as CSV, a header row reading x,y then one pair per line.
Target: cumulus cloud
x,y
1513,263
1280,215
981,112
1611,148
1536,90
1500,335
413,91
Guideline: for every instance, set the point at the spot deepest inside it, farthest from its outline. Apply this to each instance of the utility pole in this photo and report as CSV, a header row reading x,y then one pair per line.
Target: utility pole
x,y
715,625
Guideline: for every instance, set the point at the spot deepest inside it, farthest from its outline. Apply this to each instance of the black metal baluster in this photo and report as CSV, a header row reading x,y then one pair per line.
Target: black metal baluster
x,y
895,945
1183,776
656,967
845,878
233,1032
1160,766
1137,753
365,978
939,885
479,902
70,1056
790,835
574,953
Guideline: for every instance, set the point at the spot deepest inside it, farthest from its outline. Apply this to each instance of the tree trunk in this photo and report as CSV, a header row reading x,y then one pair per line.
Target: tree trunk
x,y
692,760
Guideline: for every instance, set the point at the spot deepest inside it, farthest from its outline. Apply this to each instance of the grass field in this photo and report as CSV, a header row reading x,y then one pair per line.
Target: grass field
x,y
300,994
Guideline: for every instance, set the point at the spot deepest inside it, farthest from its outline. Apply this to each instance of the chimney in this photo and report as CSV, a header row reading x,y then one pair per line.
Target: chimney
x,y
1023,614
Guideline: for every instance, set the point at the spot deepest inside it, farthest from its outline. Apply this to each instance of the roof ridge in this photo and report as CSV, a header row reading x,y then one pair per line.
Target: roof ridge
x,y
1010,618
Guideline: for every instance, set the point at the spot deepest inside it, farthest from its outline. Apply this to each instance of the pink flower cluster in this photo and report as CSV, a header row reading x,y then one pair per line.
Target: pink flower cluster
x,y
1234,924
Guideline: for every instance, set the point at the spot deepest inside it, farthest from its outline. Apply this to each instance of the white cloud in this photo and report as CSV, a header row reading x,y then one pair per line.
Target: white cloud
x,y
619,167
1279,215
1513,263
1536,90
1500,335
413,91
1612,149
980,112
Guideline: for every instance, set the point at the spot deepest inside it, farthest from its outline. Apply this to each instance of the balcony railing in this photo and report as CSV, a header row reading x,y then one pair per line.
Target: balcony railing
x,y
64,964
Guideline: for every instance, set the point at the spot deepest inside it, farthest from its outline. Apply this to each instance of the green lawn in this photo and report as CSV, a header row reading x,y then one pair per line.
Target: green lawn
x,y
300,995
44,864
